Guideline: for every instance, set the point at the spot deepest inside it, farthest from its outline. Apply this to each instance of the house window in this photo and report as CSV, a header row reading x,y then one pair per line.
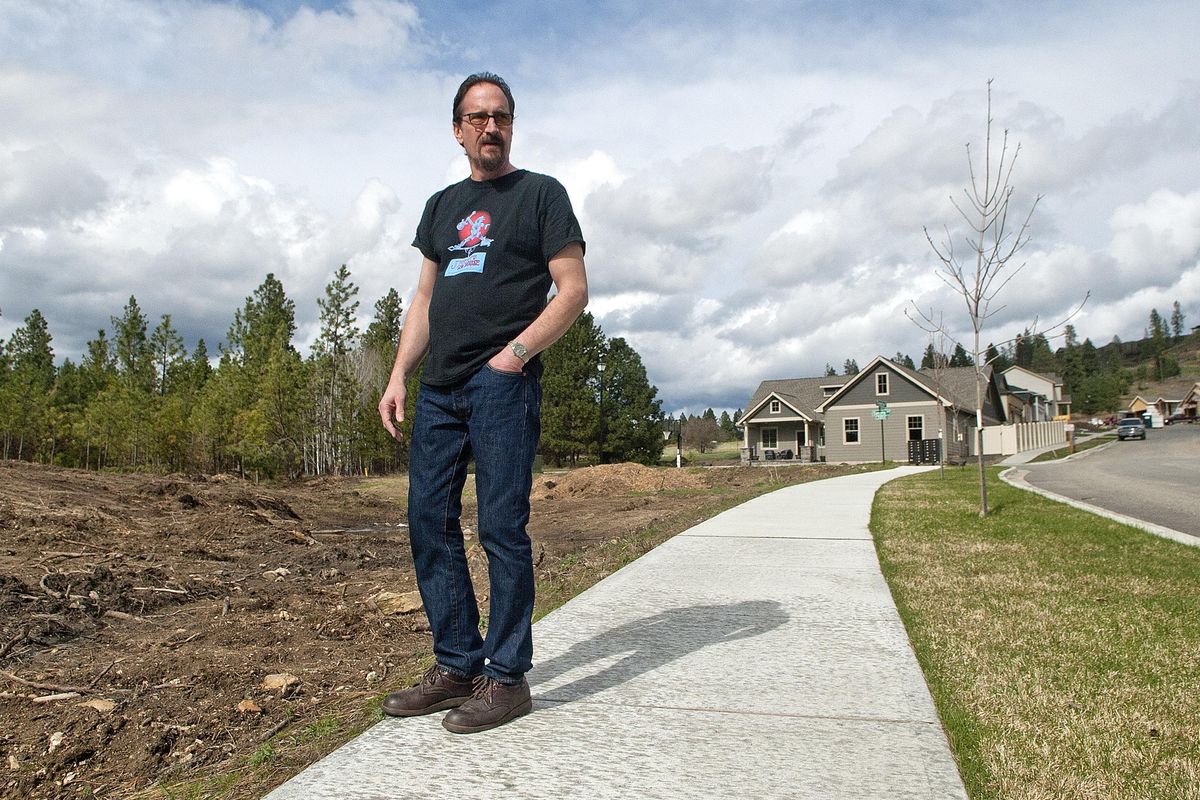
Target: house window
x,y
850,430
881,383
829,391
770,438
774,406
916,428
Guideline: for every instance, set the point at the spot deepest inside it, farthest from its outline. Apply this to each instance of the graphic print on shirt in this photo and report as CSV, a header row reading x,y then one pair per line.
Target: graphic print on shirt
x,y
472,234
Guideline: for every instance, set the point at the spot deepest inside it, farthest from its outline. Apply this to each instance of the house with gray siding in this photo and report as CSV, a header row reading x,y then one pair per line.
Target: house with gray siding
x,y
834,416
782,421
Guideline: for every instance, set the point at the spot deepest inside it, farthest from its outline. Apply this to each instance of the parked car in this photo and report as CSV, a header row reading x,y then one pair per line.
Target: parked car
x,y
1171,420
1131,428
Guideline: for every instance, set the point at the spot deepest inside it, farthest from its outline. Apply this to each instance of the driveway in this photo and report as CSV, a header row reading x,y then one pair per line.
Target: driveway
x,y
1155,480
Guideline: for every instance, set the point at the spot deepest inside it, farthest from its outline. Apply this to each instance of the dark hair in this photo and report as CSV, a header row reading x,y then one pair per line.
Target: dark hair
x,y
483,77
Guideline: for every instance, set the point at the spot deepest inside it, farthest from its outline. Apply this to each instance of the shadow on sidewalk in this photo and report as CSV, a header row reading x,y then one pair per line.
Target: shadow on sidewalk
x,y
652,642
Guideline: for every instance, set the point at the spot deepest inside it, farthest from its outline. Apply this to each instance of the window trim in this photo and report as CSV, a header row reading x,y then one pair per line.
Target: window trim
x,y
887,384
762,441
846,431
908,426
775,407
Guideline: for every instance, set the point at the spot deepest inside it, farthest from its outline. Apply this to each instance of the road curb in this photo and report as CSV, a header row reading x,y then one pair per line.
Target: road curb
x,y
1015,476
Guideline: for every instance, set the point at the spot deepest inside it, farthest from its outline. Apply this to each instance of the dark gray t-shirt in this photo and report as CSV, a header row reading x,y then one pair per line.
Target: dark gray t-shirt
x,y
492,242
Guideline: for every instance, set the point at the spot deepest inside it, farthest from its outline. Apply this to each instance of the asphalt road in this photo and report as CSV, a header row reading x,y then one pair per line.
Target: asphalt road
x,y
1156,480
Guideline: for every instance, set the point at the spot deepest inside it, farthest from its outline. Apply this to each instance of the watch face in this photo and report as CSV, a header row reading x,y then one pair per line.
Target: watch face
x,y
519,350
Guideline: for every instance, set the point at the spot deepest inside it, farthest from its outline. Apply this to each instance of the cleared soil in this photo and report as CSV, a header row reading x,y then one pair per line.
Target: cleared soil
x,y
192,636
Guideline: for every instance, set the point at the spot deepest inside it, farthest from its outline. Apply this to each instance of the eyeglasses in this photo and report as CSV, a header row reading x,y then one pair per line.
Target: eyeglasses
x,y
479,119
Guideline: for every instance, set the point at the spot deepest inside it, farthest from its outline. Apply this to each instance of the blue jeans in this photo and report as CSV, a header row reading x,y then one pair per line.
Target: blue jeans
x,y
494,417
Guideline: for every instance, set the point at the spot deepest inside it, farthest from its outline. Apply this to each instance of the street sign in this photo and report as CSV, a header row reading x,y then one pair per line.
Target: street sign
x,y
881,414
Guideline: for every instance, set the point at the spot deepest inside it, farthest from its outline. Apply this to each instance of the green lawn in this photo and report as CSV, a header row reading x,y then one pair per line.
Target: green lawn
x,y
1062,649
1087,444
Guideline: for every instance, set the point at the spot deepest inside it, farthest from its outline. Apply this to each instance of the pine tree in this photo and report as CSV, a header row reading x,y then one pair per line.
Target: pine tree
x,y
1176,321
726,424
632,413
830,372
931,358
570,392
98,366
997,358
960,357
850,367
378,352
383,334
24,398
166,346
264,325
337,390
1164,367
134,358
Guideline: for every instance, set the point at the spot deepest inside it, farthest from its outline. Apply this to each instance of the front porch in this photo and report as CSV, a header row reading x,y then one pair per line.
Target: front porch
x,y
756,455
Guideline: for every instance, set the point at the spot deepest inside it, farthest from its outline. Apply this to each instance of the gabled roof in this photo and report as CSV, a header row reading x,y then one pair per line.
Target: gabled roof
x,y
957,384
802,394
1048,376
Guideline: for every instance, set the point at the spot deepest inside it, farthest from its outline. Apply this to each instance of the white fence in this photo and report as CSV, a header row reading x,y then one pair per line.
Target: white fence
x,y
1010,439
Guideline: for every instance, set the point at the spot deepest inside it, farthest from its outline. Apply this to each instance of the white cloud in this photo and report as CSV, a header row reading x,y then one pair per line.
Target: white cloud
x,y
752,184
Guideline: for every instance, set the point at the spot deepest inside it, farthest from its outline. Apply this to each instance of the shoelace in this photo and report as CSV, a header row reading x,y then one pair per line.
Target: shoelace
x,y
481,686
430,676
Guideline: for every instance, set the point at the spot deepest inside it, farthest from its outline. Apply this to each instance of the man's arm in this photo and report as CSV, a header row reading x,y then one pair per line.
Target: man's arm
x,y
414,341
570,279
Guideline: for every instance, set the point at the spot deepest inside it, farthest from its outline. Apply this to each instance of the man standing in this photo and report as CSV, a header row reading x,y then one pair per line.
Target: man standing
x,y
492,246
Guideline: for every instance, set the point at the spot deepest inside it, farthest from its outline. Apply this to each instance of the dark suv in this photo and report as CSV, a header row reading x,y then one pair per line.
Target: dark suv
x,y
1131,428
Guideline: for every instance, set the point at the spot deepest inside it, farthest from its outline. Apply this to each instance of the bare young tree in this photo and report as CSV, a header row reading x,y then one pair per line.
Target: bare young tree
x,y
979,271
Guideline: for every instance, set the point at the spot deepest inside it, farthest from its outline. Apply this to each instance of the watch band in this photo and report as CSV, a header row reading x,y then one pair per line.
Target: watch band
x,y
519,350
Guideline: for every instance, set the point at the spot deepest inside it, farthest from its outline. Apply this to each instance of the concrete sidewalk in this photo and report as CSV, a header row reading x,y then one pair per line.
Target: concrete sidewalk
x,y
758,654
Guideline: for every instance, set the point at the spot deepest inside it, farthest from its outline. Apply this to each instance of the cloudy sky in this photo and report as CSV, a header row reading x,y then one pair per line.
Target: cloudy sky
x,y
752,178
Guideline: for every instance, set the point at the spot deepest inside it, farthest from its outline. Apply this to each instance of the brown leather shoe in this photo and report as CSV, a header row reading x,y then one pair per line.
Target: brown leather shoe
x,y
493,704
436,691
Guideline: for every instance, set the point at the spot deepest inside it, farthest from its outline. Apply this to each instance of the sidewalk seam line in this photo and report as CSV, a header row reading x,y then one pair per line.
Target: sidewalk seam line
x,y
784,715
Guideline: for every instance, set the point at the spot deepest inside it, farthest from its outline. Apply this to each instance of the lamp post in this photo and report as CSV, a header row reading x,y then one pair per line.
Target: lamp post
x,y
603,421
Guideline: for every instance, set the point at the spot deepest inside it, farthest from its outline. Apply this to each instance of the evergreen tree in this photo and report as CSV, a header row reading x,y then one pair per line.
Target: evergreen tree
x,y
850,367
570,392
632,413
378,352
830,372
166,346
383,334
1164,367
30,351
1177,326
960,357
903,360
24,393
727,426
336,388
999,358
134,358
265,324
98,366
931,358
1041,357
198,369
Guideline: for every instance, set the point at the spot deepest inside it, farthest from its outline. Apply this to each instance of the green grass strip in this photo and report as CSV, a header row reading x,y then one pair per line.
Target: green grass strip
x,y
1062,649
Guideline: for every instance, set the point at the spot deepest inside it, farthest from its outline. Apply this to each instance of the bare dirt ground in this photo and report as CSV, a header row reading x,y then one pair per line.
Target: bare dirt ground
x,y
191,636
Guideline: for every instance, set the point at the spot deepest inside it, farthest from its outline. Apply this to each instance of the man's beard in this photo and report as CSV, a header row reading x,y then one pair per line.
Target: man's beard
x,y
488,162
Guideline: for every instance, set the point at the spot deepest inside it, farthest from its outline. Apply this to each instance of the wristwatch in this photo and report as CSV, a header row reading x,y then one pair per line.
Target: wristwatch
x,y
519,351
